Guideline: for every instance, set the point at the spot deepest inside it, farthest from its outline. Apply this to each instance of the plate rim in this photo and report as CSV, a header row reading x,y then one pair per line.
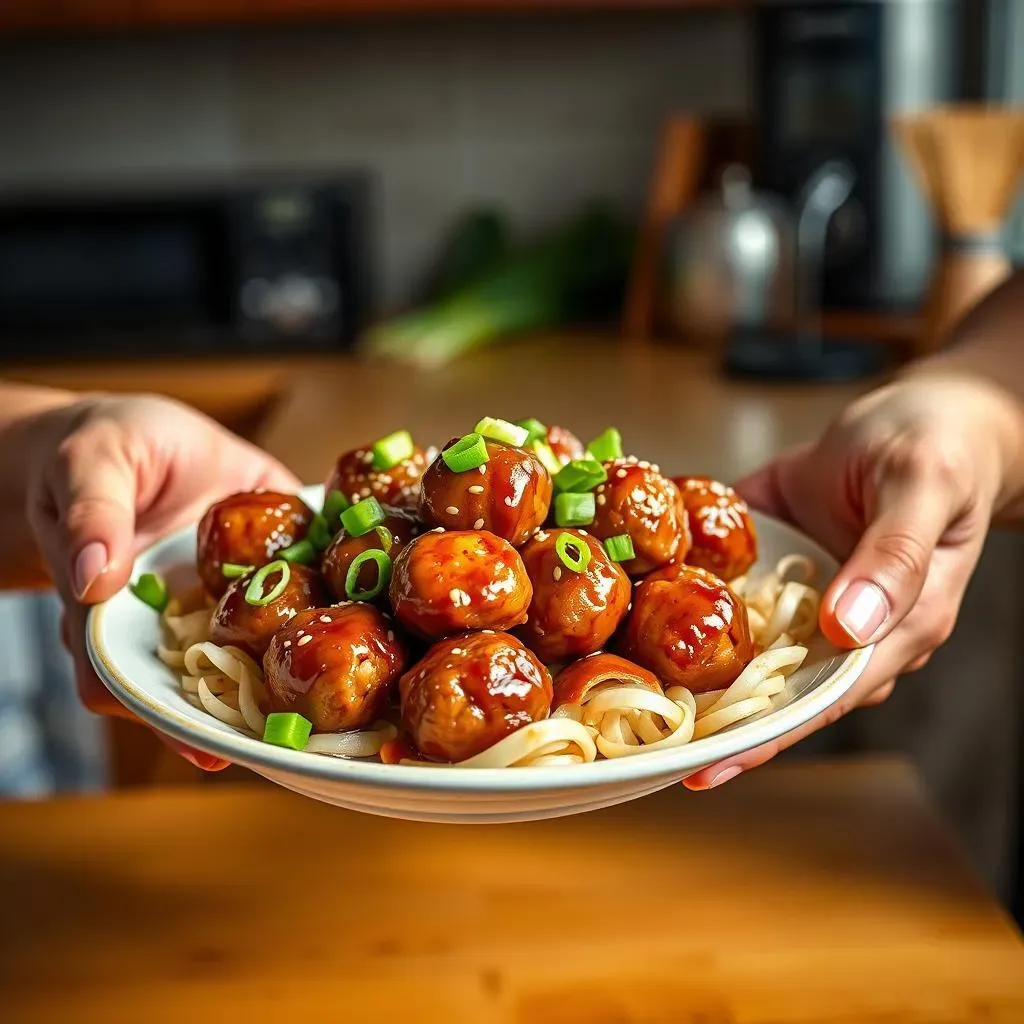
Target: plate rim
x,y
260,757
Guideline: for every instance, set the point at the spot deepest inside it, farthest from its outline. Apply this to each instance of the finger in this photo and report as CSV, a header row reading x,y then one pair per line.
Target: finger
x,y
880,582
763,489
93,489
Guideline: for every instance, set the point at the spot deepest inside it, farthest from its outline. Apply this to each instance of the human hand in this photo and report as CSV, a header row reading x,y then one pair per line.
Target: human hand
x,y
110,477
903,486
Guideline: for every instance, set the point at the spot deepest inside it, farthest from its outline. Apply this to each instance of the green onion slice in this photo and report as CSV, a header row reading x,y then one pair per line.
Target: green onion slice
x,y
606,446
546,457
320,533
389,451
301,553
467,453
287,729
383,562
574,552
234,571
580,475
535,430
620,548
335,504
575,509
362,517
254,592
150,589
387,538
503,431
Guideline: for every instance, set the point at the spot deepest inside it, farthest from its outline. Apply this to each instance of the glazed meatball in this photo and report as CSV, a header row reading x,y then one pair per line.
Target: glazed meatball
x,y
636,499
572,613
470,691
356,478
401,523
445,583
247,529
723,537
335,666
690,631
509,495
251,626
565,444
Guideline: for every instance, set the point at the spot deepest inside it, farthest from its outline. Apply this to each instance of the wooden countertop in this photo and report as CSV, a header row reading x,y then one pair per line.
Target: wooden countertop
x,y
798,894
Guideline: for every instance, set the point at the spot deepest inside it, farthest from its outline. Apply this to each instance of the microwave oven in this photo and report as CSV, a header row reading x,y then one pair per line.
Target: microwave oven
x,y
265,266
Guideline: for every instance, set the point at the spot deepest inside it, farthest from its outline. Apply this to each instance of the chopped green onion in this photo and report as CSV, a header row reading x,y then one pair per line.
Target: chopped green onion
x,y
574,509
301,553
150,589
362,517
535,430
320,534
387,538
580,475
234,571
606,446
287,729
335,504
574,552
389,451
546,457
254,592
620,548
502,430
467,453
383,562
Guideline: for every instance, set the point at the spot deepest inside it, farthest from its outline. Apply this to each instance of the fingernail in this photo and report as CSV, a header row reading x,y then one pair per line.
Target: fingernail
x,y
725,776
90,565
861,610
204,762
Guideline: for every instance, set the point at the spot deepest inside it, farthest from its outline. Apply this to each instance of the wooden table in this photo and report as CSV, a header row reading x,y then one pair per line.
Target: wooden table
x,y
797,894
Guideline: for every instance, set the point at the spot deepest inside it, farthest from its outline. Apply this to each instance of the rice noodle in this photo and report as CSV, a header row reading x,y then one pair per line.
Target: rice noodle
x,y
615,718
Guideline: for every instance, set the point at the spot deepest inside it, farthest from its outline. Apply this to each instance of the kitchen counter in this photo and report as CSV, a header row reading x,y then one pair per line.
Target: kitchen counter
x,y
799,894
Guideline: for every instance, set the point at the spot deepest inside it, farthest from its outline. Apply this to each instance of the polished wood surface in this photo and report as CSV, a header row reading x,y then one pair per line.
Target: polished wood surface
x,y
798,894
17,16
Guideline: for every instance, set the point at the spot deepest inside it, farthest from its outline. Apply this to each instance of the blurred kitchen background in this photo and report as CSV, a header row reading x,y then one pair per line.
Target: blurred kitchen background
x,y
780,187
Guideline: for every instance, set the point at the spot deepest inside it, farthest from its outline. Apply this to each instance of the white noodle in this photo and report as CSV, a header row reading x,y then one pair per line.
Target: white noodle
x,y
358,743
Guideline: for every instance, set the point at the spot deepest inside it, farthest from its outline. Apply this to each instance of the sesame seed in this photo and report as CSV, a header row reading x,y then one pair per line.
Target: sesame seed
x,y
365,492
325,618
542,535
582,533
655,467
305,640
368,457
354,497
287,643
301,632
456,650
557,573
620,473
391,634
477,489
644,465
508,500
478,525
483,470
602,500
437,529
452,510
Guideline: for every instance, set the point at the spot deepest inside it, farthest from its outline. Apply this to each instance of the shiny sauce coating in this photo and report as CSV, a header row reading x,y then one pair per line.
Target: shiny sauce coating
x,y
689,631
572,613
637,500
251,627
471,691
509,495
248,528
356,478
724,538
335,666
450,582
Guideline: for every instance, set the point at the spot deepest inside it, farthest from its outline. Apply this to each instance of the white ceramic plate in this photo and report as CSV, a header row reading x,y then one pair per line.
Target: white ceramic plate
x,y
123,635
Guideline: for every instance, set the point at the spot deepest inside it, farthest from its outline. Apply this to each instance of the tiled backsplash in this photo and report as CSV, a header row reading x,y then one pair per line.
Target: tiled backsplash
x,y
538,112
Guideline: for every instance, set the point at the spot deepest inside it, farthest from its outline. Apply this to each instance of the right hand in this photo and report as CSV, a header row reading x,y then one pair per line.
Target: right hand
x,y
902,488
111,476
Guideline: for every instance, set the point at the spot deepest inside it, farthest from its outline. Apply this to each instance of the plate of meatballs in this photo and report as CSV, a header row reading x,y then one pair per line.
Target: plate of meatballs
x,y
517,625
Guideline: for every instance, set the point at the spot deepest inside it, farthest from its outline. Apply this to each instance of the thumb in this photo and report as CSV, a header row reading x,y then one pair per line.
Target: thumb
x,y
95,498
882,579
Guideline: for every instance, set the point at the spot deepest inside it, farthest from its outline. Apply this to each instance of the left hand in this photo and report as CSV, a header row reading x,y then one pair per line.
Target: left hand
x,y
112,476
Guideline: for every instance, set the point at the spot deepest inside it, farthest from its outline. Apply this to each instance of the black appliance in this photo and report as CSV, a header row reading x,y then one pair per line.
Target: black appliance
x,y
830,75
261,266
